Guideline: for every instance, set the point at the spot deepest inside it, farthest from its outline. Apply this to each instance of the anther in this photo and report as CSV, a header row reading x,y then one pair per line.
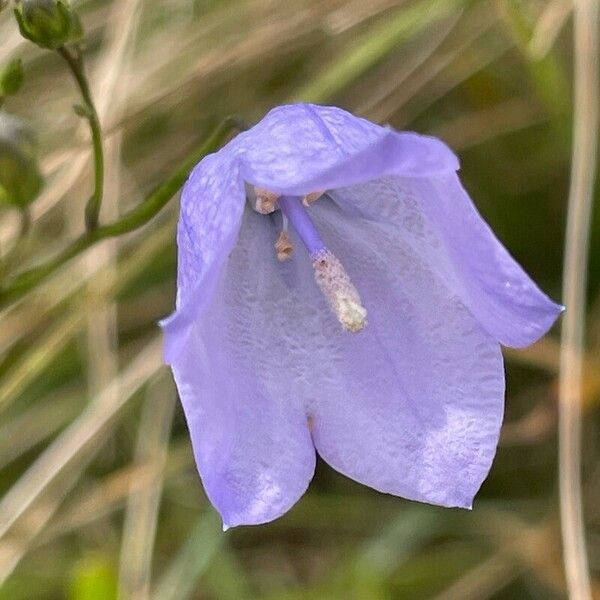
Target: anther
x,y
266,201
283,246
308,199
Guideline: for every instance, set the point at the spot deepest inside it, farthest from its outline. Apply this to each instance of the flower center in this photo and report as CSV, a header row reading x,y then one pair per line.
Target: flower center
x,y
330,275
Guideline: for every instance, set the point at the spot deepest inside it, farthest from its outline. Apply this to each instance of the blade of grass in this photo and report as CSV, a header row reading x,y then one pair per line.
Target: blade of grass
x,y
54,341
409,64
24,318
374,45
37,423
477,127
485,580
195,556
102,498
47,348
72,447
449,72
546,71
548,27
14,547
477,25
141,515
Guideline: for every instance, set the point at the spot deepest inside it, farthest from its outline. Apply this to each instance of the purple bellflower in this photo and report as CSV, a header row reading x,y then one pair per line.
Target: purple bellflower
x,y
371,332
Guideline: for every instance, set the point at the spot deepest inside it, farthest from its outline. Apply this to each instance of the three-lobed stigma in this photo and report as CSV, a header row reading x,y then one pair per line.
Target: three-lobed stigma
x,y
338,289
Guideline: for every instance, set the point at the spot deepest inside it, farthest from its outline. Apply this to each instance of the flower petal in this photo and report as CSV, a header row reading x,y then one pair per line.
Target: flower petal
x,y
212,203
294,149
301,148
437,217
251,440
413,404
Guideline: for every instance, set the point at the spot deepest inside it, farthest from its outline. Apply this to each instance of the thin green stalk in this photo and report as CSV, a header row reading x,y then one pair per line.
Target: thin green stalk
x,y
132,220
75,63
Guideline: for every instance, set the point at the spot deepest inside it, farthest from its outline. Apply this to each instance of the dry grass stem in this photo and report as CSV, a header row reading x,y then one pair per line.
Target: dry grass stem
x,y
141,515
583,167
68,450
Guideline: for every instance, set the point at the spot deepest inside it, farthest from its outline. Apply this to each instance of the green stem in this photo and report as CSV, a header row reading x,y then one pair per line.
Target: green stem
x,y
75,63
131,221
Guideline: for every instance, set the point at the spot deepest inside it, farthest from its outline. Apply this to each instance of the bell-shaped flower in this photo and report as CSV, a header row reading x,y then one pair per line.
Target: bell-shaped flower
x,y
338,291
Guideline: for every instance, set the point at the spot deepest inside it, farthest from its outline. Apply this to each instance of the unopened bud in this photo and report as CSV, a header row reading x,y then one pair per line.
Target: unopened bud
x,y
20,179
48,23
11,78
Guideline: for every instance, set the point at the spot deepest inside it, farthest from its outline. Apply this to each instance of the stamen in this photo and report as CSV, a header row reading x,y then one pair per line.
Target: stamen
x,y
283,246
330,275
343,297
310,198
265,201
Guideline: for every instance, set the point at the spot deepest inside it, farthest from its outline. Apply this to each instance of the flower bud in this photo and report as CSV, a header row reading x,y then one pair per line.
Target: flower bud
x,y
48,23
20,179
11,78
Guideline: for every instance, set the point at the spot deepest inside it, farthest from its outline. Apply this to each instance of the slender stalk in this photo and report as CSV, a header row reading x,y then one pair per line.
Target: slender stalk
x,y
75,63
134,219
583,166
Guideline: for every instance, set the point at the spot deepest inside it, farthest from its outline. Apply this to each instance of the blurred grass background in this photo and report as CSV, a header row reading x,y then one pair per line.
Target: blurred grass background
x,y
99,492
